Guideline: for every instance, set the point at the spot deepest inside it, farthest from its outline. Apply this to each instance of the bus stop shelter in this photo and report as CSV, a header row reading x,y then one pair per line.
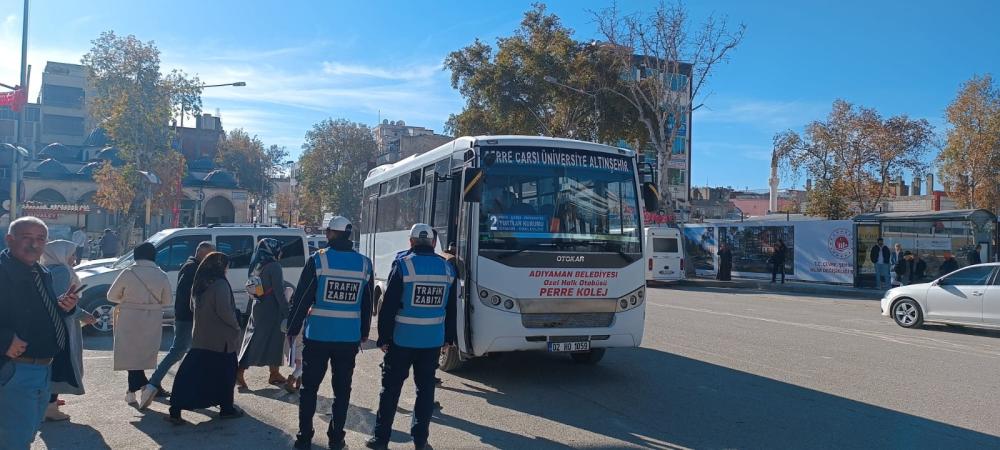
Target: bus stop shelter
x,y
928,233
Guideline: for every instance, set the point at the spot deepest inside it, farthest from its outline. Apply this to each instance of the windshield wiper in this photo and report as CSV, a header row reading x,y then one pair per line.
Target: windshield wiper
x,y
518,251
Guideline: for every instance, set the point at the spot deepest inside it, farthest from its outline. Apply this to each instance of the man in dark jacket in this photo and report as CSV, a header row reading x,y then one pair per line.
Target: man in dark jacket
x,y
880,255
905,269
33,334
417,319
974,257
110,244
333,298
949,265
183,324
777,261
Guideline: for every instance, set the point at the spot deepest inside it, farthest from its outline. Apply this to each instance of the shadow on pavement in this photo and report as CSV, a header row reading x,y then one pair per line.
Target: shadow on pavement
x,y
655,399
107,342
213,433
751,291
958,329
55,434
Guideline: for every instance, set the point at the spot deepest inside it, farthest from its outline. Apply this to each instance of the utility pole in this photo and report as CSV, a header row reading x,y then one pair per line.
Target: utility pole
x,y
15,159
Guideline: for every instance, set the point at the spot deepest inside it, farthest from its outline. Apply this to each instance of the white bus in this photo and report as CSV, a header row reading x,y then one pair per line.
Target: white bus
x,y
548,234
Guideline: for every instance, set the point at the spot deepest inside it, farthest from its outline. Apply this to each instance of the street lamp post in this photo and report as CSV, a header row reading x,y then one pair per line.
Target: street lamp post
x,y
151,179
593,96
184,107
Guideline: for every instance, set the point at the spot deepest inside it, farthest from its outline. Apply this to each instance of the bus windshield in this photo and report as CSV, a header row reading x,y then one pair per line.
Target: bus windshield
x,y
559,200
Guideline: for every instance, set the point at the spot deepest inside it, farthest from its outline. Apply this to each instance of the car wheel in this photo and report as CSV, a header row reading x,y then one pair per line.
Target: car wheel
x,y
104,313
907,314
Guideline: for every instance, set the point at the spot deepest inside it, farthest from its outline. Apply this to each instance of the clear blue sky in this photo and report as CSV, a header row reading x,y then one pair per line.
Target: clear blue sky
x,y
306,61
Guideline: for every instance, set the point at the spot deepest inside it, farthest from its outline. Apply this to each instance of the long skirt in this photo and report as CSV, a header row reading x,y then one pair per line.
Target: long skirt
x,y
205,379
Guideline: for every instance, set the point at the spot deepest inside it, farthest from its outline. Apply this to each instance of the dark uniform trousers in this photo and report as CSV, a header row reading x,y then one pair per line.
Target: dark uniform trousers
x,y
395,370
315,355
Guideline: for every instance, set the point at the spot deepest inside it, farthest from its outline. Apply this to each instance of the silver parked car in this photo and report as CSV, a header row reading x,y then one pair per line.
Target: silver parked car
x,y
968,296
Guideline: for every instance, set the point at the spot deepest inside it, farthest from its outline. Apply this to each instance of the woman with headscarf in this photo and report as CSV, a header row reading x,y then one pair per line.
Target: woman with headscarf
x,y
264,343
140,291
59,258
208,372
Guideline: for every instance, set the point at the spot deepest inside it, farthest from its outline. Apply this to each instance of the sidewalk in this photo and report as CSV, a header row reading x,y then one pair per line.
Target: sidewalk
x,y
800,287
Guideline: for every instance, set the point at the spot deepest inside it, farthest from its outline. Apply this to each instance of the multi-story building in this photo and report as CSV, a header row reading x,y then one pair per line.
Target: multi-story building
x,y
396,140
63,98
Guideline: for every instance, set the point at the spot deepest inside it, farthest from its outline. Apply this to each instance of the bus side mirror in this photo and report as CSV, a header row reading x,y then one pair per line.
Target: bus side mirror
x,y
472,186
650,197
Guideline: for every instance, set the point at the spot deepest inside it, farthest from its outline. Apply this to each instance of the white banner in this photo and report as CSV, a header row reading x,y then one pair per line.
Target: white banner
x,y
824,251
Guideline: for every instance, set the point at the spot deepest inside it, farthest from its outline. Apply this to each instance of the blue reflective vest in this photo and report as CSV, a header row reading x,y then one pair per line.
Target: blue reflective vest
x,y
341,280
427,280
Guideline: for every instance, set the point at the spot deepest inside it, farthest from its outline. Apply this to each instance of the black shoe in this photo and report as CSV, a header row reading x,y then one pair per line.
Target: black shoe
x,y
375,444
303,442
338,445
423,446
234,413
162,393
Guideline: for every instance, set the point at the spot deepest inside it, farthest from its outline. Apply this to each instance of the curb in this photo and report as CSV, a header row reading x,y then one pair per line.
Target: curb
x,y
849,292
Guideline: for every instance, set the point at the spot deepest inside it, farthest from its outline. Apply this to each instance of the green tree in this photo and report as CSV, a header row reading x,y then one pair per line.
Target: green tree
x,y
663,63
516,89
336,158
253,164
853,157
969,164
134,102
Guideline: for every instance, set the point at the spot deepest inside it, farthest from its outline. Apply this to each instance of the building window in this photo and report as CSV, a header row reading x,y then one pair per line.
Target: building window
x,y
680,145
676,177
62,96
64,125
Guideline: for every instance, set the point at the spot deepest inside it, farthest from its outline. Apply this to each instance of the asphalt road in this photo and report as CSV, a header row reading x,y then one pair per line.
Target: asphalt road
x,y
717,369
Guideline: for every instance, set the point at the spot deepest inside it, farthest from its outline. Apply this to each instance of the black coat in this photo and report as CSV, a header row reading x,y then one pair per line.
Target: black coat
x,y
948,266
17,316
873,254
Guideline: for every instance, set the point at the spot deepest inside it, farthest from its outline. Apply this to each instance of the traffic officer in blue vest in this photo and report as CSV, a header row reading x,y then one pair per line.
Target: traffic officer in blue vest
x,y
417,319
334,300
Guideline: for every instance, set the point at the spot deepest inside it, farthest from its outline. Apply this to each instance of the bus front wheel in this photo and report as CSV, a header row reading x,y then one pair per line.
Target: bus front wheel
x,y
450,360
593,356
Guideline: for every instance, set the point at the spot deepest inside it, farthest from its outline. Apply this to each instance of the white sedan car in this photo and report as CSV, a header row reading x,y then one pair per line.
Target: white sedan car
x,y
968,296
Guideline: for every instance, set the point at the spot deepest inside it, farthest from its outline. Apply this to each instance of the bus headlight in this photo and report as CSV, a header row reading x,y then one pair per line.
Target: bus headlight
x,y
623,303
483,294
508,303
632,300
495,300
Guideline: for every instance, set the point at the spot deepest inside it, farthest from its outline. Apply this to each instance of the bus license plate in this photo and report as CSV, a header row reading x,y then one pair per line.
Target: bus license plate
x,y
581,346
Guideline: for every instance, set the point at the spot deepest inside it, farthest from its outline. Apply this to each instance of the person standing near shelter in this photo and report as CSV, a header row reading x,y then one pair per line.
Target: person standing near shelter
x,y
894,258
949,265
334,300
416,321
264,342
59,259
110,244
778,261
973,256
140,291
183,323
33,334
880,255
725,263
80,239
905,268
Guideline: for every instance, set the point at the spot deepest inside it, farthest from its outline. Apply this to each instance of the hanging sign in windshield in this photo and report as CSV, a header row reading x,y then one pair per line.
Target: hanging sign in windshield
x,y
557,157
522,223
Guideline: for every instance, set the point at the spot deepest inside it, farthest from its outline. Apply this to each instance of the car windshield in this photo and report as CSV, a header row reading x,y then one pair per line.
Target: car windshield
x,y
558,199
127,259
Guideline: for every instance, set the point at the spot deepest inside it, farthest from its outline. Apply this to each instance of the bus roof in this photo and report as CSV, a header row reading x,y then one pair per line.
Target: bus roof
x,y
459,145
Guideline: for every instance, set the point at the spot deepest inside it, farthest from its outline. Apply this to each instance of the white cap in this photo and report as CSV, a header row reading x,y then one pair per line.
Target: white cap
x,y
421,231
339,223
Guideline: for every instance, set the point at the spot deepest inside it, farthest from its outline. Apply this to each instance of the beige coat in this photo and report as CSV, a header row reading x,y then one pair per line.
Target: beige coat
x,y
141,291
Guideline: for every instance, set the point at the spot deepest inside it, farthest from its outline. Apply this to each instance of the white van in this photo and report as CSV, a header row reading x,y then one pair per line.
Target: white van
x,y
664,252
175,245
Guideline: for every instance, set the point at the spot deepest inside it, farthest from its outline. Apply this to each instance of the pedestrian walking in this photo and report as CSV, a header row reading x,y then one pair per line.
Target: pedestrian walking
x,y
80,239
264,343
416,321
880,255
59,258
949,265
725,263
140,291
973,256
208,372
110,244
777,261
334,300
183,324
33,334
